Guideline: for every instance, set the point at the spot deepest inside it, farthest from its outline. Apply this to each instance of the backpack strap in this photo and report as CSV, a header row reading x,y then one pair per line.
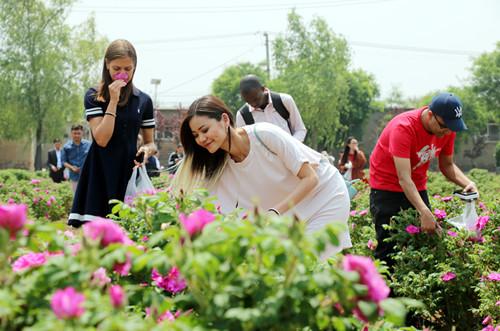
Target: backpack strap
x,y
281,109
260,140
247,116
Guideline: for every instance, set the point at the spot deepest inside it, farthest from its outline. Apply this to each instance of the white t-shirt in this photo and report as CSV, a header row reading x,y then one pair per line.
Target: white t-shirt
x,y
265,179
270,115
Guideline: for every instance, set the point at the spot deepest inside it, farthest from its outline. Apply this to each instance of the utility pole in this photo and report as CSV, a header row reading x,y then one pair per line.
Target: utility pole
x,y
268,61
156,82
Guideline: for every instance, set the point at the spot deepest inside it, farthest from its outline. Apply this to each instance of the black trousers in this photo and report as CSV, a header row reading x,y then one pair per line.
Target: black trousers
x,y
57,176
383,206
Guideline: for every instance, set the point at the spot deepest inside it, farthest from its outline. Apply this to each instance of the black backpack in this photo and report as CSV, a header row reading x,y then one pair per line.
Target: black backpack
x,y
277,104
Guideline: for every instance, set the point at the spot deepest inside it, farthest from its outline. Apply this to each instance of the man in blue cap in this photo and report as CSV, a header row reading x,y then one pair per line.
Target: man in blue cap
x,y
401,158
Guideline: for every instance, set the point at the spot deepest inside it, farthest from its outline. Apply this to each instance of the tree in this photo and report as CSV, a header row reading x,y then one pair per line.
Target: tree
x,y
313,66
227,85
486,81
45,67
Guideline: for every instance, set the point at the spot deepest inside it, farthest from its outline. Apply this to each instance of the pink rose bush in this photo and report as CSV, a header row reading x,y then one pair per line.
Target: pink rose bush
x,y
106,232
13,218
440,214
412,229
196,221
99,277
369,276
494,277
172,283
117,295
446,277
28,261
67,303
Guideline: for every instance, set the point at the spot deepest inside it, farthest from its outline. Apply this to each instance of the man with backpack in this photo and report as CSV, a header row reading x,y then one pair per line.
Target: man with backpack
x,y
263,105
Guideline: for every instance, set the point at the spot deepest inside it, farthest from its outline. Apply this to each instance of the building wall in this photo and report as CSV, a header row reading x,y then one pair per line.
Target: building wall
x,y
17,154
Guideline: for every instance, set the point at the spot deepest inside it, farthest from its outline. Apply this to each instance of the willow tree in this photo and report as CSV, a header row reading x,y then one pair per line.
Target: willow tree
x,y
45,66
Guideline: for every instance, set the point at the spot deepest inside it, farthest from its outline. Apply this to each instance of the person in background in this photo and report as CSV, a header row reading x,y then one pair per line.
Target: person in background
x,y
153,166
74,154
175,158
116,111
352,160
55,162
263,105
401,158
263,162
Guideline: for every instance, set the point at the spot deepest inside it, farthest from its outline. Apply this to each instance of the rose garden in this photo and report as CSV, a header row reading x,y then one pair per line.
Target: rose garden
x,y
178,264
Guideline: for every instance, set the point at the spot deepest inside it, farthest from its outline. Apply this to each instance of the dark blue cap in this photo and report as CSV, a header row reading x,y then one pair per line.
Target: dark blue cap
x,y
449,107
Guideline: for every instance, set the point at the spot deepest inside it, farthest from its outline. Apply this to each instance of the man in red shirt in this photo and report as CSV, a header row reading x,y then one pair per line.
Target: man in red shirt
x,y
401,158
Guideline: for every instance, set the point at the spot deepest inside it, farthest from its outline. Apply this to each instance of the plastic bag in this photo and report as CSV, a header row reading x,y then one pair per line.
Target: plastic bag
x,y
467,219
139,182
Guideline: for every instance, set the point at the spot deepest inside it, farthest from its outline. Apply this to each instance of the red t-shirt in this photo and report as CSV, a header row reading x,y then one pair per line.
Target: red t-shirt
x,y
405,137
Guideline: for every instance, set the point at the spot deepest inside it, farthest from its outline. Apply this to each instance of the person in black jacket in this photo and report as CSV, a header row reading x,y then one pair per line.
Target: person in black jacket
x,y
175,158
55,163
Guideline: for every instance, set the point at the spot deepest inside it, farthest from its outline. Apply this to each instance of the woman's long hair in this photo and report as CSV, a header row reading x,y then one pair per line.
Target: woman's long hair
x,y
116,50
200,168
345,156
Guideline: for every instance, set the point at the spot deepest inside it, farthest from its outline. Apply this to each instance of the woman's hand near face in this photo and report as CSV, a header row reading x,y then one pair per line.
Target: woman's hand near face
x,y
114,90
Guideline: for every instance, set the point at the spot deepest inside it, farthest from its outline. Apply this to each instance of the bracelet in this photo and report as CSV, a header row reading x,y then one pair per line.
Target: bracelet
x,y
274,210
110,113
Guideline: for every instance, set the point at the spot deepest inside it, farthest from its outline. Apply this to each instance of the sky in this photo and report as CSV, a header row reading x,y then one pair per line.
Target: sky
x,y
415,46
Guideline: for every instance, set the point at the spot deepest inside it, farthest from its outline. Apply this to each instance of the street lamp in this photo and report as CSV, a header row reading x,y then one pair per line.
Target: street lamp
x,y
156,82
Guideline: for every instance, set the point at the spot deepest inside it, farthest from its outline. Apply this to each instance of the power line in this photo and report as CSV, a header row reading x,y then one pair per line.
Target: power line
x,y
414,49
207,72
196,38
221,10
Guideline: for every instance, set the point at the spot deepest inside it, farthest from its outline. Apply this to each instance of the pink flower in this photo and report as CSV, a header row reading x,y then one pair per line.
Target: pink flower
x,y
35,181
476,239
353,213
497,303
494,276
196,221
452,233
123,269
75,248
29,260
167,315
122,76
100,278
487,320
106,231
448,276
483,206
371,245
145,238
436,196
13,218
11,201
117,295
446,199
369,276
481,222
412,229
67,303
440,214
363,212
173,282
